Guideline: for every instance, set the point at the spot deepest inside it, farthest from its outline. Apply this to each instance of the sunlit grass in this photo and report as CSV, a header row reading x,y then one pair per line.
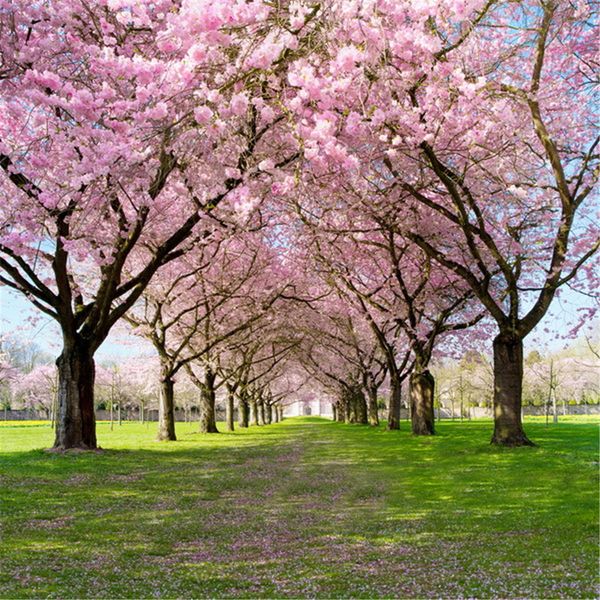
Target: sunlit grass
x,y
301,509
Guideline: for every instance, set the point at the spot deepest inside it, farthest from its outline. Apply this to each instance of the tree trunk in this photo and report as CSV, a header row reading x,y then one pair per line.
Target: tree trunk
x,y
166,410
350,411
422,387
254,408
243,413
268,414
261,412
342,410
334,411
361,406
229,411
208,422
54,407
394,404
508,387
280,412
76,421
373,413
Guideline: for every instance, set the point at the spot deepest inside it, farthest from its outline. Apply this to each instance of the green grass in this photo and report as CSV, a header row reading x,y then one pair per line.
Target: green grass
x,y
305,508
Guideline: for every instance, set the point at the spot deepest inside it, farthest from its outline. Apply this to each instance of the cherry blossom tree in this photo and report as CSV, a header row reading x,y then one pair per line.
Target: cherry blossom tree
x,y
407,156
195,305
123,129
37,389
477,117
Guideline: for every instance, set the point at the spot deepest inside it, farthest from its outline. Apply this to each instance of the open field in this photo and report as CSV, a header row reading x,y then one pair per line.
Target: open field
x,y
303,508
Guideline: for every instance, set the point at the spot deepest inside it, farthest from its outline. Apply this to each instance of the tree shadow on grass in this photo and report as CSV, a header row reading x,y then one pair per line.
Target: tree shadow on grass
x,y
305,509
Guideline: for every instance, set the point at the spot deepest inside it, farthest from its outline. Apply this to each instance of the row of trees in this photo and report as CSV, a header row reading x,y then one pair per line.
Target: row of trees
x,y
553,383
338,189
134,385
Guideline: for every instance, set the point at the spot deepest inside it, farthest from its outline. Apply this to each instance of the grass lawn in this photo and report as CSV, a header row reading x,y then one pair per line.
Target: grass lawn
x,y
303,508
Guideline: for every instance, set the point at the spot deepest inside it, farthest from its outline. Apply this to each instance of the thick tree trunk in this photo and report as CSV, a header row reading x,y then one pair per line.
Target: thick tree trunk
x,y
229,411
373,413
422,387
280,412
76,421
254,409
243,413
208,398
395,402
261,412
166,410
268,414
508,387
208,422
342,410
350,411
334,411
361,407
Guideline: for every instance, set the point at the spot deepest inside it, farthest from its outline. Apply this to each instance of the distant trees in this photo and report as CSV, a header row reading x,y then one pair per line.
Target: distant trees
x,y
190,167
551,382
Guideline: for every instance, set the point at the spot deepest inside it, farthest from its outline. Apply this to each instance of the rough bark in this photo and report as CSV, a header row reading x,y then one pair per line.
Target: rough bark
x,y
372,408
395,402
76,422
361,406
166,410
422,385
243,413
208,422
508,388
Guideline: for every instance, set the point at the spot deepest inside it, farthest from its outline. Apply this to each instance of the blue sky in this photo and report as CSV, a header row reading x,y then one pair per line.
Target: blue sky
x,y
16,313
